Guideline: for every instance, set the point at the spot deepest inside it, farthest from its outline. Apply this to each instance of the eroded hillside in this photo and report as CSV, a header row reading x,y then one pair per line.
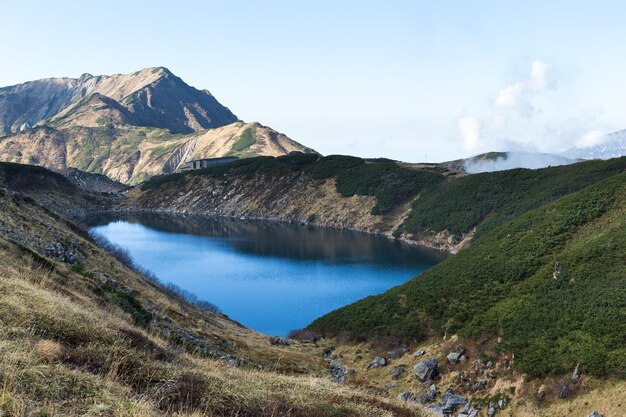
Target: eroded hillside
x,y
127,126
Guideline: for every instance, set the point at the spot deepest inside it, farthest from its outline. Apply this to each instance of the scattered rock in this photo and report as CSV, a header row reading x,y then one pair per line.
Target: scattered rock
x,y
541,392
64,253
426,370
420,352
278,341
451,400
455,357
398,353
566,391
397,371
481,384
377,362
337,372
328,351
407,396
449,403
387,386
469,411
430,396
230,359
576,374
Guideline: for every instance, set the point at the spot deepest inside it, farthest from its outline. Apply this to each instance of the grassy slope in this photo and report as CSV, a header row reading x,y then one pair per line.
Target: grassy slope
x,y
503,285
83,339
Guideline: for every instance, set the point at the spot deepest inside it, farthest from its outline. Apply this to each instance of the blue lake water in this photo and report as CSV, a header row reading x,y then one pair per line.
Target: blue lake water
x,y
271,277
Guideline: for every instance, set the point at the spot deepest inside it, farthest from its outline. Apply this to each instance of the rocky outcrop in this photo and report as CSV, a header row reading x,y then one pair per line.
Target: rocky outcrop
x,y
426,370
338,373
377,362
154,97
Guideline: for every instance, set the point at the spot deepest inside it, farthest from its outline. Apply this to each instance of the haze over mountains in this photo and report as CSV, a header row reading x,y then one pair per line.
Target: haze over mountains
x,y
130,127
126,126
612,145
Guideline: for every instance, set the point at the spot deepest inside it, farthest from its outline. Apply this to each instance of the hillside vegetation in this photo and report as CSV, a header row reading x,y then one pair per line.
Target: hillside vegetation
x,y
503,285
387,181
430,205
86,333
485,201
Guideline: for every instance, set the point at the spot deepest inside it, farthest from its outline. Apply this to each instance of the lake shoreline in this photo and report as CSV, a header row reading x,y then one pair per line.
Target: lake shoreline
x,y
272,277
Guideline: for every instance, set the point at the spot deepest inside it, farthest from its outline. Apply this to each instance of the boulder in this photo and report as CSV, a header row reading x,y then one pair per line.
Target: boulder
x,y
491,411
595,414
502,403
468,411
278,341
566,391
430,396
481,384
337,372
406,396
426,370
398,353
397,371
377,362
450,401
453,357
419,353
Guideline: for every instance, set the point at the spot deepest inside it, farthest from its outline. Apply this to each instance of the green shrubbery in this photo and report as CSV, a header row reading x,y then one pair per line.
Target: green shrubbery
x,y
389,182
490,199
503,285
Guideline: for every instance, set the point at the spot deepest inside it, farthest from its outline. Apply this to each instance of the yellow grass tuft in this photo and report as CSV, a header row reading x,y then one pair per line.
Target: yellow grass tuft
x,y
49,350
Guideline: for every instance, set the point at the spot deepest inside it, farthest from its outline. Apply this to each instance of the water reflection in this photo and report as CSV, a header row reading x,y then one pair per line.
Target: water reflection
x,y
272,277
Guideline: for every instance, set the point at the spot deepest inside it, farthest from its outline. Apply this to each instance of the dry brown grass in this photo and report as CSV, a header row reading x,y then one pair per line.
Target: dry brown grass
x,y
49,350
66,350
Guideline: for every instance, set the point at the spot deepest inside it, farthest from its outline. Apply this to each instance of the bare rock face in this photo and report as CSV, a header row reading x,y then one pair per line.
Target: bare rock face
x,y
154,96
128,127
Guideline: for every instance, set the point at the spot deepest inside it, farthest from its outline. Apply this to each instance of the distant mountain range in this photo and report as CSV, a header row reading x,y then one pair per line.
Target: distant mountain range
x,y
612,145
125,126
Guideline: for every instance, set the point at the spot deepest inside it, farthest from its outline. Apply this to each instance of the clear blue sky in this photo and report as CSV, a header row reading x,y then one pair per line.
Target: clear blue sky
x,y
411,80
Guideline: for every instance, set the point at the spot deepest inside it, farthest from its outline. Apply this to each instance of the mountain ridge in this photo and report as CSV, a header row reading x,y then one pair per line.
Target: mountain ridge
x,y
612,145
126,126
34,101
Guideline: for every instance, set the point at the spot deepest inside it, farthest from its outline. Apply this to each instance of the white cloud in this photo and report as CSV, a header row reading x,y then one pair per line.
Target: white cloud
x,y
524,118
590,139
519,95
469,128
539,76
511,95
